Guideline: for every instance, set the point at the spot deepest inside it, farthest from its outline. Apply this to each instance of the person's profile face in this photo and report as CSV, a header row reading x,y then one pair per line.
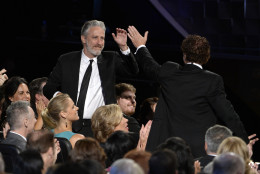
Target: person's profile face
x,y
123,125
72,111
32,120
95,41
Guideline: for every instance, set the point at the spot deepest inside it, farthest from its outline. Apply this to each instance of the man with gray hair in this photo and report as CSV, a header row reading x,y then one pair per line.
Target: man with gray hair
x,y
213,138
21,118
88,75
125,166
228,163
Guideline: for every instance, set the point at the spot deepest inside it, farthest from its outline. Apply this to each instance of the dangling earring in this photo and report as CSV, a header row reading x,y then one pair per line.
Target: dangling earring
x,y
66,124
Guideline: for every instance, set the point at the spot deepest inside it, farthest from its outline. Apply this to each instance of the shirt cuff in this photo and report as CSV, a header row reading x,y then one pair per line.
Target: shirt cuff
x,y
139,48
126,52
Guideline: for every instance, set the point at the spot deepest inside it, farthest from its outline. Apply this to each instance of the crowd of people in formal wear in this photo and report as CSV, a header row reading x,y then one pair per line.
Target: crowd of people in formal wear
x,y
177,132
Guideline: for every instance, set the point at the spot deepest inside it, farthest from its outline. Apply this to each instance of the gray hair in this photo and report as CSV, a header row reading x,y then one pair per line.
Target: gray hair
x,y
15,113
125,166
215,135
228,163
93,23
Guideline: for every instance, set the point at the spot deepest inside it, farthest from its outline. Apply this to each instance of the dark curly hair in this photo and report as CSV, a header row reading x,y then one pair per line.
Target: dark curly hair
x,y
196,49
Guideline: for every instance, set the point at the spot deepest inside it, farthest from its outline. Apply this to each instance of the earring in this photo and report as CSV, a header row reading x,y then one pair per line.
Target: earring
x,y
66,124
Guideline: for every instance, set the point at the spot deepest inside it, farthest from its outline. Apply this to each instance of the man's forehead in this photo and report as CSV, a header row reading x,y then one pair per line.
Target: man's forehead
x,y
128,93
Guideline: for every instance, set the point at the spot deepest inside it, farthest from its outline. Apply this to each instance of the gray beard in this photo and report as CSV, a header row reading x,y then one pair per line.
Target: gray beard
x,y
94,53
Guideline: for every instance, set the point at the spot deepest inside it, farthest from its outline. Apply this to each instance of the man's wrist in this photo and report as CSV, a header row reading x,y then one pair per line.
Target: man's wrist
x,y
123,47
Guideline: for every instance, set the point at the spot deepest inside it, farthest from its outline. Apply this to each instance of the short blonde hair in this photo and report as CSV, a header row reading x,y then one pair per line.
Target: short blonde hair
x,y
238,146
104,121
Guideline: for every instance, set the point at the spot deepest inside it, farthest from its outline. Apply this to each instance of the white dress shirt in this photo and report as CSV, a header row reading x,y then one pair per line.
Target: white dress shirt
x,y
94,97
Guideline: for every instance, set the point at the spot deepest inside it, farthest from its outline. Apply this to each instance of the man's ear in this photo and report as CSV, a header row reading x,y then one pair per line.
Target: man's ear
x,y
26,122
117,99
83,39
206,146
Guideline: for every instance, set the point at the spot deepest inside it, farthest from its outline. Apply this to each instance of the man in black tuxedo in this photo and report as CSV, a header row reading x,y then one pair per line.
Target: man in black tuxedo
x,y
67,75
191,99
213,138
21,118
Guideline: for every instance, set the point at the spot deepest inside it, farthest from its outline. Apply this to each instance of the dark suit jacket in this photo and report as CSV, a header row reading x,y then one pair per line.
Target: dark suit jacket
x,y
134,127
204,160
65,75
16,140
191,101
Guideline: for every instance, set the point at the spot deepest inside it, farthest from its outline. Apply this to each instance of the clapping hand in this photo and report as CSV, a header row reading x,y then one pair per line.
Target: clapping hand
x,y
143,135
252,141
136,38
3,77
121,38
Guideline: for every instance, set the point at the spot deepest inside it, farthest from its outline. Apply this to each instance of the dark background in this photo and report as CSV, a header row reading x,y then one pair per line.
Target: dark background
x,y
36,33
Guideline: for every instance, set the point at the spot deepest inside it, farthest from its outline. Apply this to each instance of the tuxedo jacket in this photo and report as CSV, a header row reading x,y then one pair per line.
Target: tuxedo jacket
x,y
191,100
205,160
16,140
65,75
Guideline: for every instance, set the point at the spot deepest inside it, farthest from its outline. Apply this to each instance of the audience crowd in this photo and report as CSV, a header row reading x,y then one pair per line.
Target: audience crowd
x,y
33,126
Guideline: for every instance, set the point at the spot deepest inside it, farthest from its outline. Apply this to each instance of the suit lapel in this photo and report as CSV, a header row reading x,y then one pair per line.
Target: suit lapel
x,y
101,68
75,67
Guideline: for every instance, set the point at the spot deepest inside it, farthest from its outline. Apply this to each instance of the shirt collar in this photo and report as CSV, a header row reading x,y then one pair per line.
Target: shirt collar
x,y
19,135
198,65
86,58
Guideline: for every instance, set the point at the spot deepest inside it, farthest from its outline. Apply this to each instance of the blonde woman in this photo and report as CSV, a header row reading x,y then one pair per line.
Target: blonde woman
x,y
238,146
59,115
109,118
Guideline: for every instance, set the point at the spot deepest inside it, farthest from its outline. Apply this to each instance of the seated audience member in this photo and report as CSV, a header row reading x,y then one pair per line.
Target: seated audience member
x,y
2,164
88,148
28,162
117,145
108,119
140,157
43,141
213,137
38,100
163,161
147,110
125,96
59,115
15,89
87,166
235,145
125,166
228,163
183,152
21,118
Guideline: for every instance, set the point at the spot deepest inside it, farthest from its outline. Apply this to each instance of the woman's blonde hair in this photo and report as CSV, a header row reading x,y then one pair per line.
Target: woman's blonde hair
x,y
104,121
51,114
238,146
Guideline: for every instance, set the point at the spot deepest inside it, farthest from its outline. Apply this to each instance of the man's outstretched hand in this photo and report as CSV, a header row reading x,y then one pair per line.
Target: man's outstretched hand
x,y
136,38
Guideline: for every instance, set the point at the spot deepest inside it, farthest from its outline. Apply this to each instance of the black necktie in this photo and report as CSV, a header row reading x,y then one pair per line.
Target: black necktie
x,y
84,89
